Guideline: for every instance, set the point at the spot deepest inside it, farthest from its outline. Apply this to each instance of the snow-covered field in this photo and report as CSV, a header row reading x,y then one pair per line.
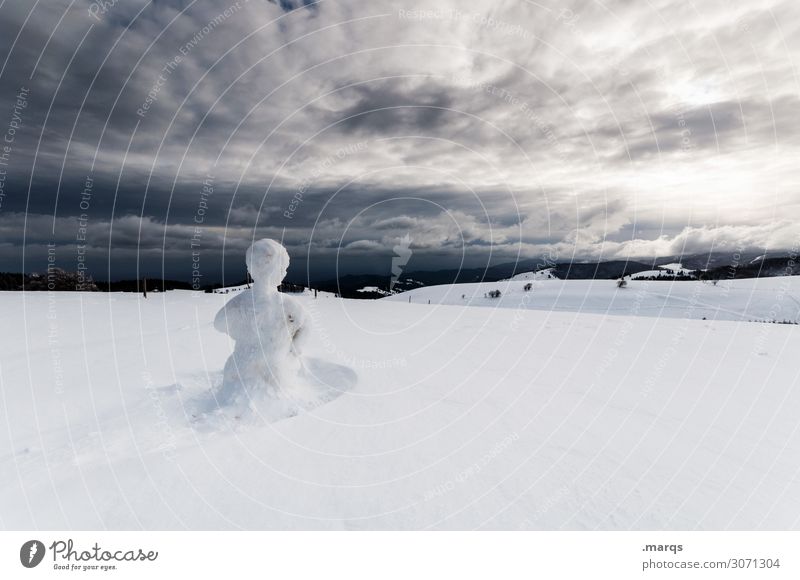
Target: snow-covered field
x,y
750,299
543,417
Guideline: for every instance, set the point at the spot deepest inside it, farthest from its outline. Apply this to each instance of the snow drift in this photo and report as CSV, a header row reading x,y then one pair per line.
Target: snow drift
x,y
462,418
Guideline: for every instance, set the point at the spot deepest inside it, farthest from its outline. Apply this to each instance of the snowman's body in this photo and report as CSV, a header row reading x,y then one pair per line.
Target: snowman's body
x,y
269,329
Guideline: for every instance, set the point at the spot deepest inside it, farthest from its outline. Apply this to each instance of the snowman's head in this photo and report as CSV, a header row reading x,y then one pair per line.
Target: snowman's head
x,y
267,262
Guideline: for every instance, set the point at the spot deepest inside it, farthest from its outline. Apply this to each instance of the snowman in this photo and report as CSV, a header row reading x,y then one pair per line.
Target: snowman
x,y
269,329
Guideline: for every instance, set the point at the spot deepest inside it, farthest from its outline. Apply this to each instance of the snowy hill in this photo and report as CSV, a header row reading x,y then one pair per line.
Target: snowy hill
x,y
373,290
665,271
762,299
546,274
231,289
672,266
462,418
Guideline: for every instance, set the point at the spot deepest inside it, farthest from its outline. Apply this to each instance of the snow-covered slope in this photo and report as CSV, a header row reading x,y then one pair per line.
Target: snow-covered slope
x,y
753,299
665,271
373,289
546,274
675,266
231,289
461,418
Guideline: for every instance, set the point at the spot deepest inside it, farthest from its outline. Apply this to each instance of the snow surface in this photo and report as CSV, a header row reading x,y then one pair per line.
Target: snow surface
x,y
665,271
231,289
546,274
461,418
749,299
673,266
374,289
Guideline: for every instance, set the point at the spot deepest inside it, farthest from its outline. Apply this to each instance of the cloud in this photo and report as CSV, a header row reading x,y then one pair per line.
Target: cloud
x,y
385,107
475,126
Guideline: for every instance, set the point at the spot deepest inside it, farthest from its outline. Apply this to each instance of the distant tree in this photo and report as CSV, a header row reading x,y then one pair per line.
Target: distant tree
x,y
288,287
495,293
54,279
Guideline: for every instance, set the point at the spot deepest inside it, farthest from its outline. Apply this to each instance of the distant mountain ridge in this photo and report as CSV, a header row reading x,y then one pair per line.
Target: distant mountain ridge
x,y
706,266
710,266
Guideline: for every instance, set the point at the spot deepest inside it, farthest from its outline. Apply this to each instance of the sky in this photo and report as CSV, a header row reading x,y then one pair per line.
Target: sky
x,y
161,137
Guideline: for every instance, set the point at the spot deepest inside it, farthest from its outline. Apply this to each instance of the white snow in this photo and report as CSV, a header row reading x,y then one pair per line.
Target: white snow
x,y
462,418
231,289
665,271
310,292
658,274
673,266
374,289
546,274
747,299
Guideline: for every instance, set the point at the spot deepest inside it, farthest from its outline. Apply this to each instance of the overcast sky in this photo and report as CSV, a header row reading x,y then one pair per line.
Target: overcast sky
x,y
480,130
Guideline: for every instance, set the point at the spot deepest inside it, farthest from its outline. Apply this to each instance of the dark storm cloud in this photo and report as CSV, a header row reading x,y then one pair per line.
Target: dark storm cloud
x,y
493,128
289,5
385,108
721,126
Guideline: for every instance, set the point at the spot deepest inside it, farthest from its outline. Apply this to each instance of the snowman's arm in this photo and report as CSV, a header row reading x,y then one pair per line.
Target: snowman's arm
x,y
300,325
229,316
